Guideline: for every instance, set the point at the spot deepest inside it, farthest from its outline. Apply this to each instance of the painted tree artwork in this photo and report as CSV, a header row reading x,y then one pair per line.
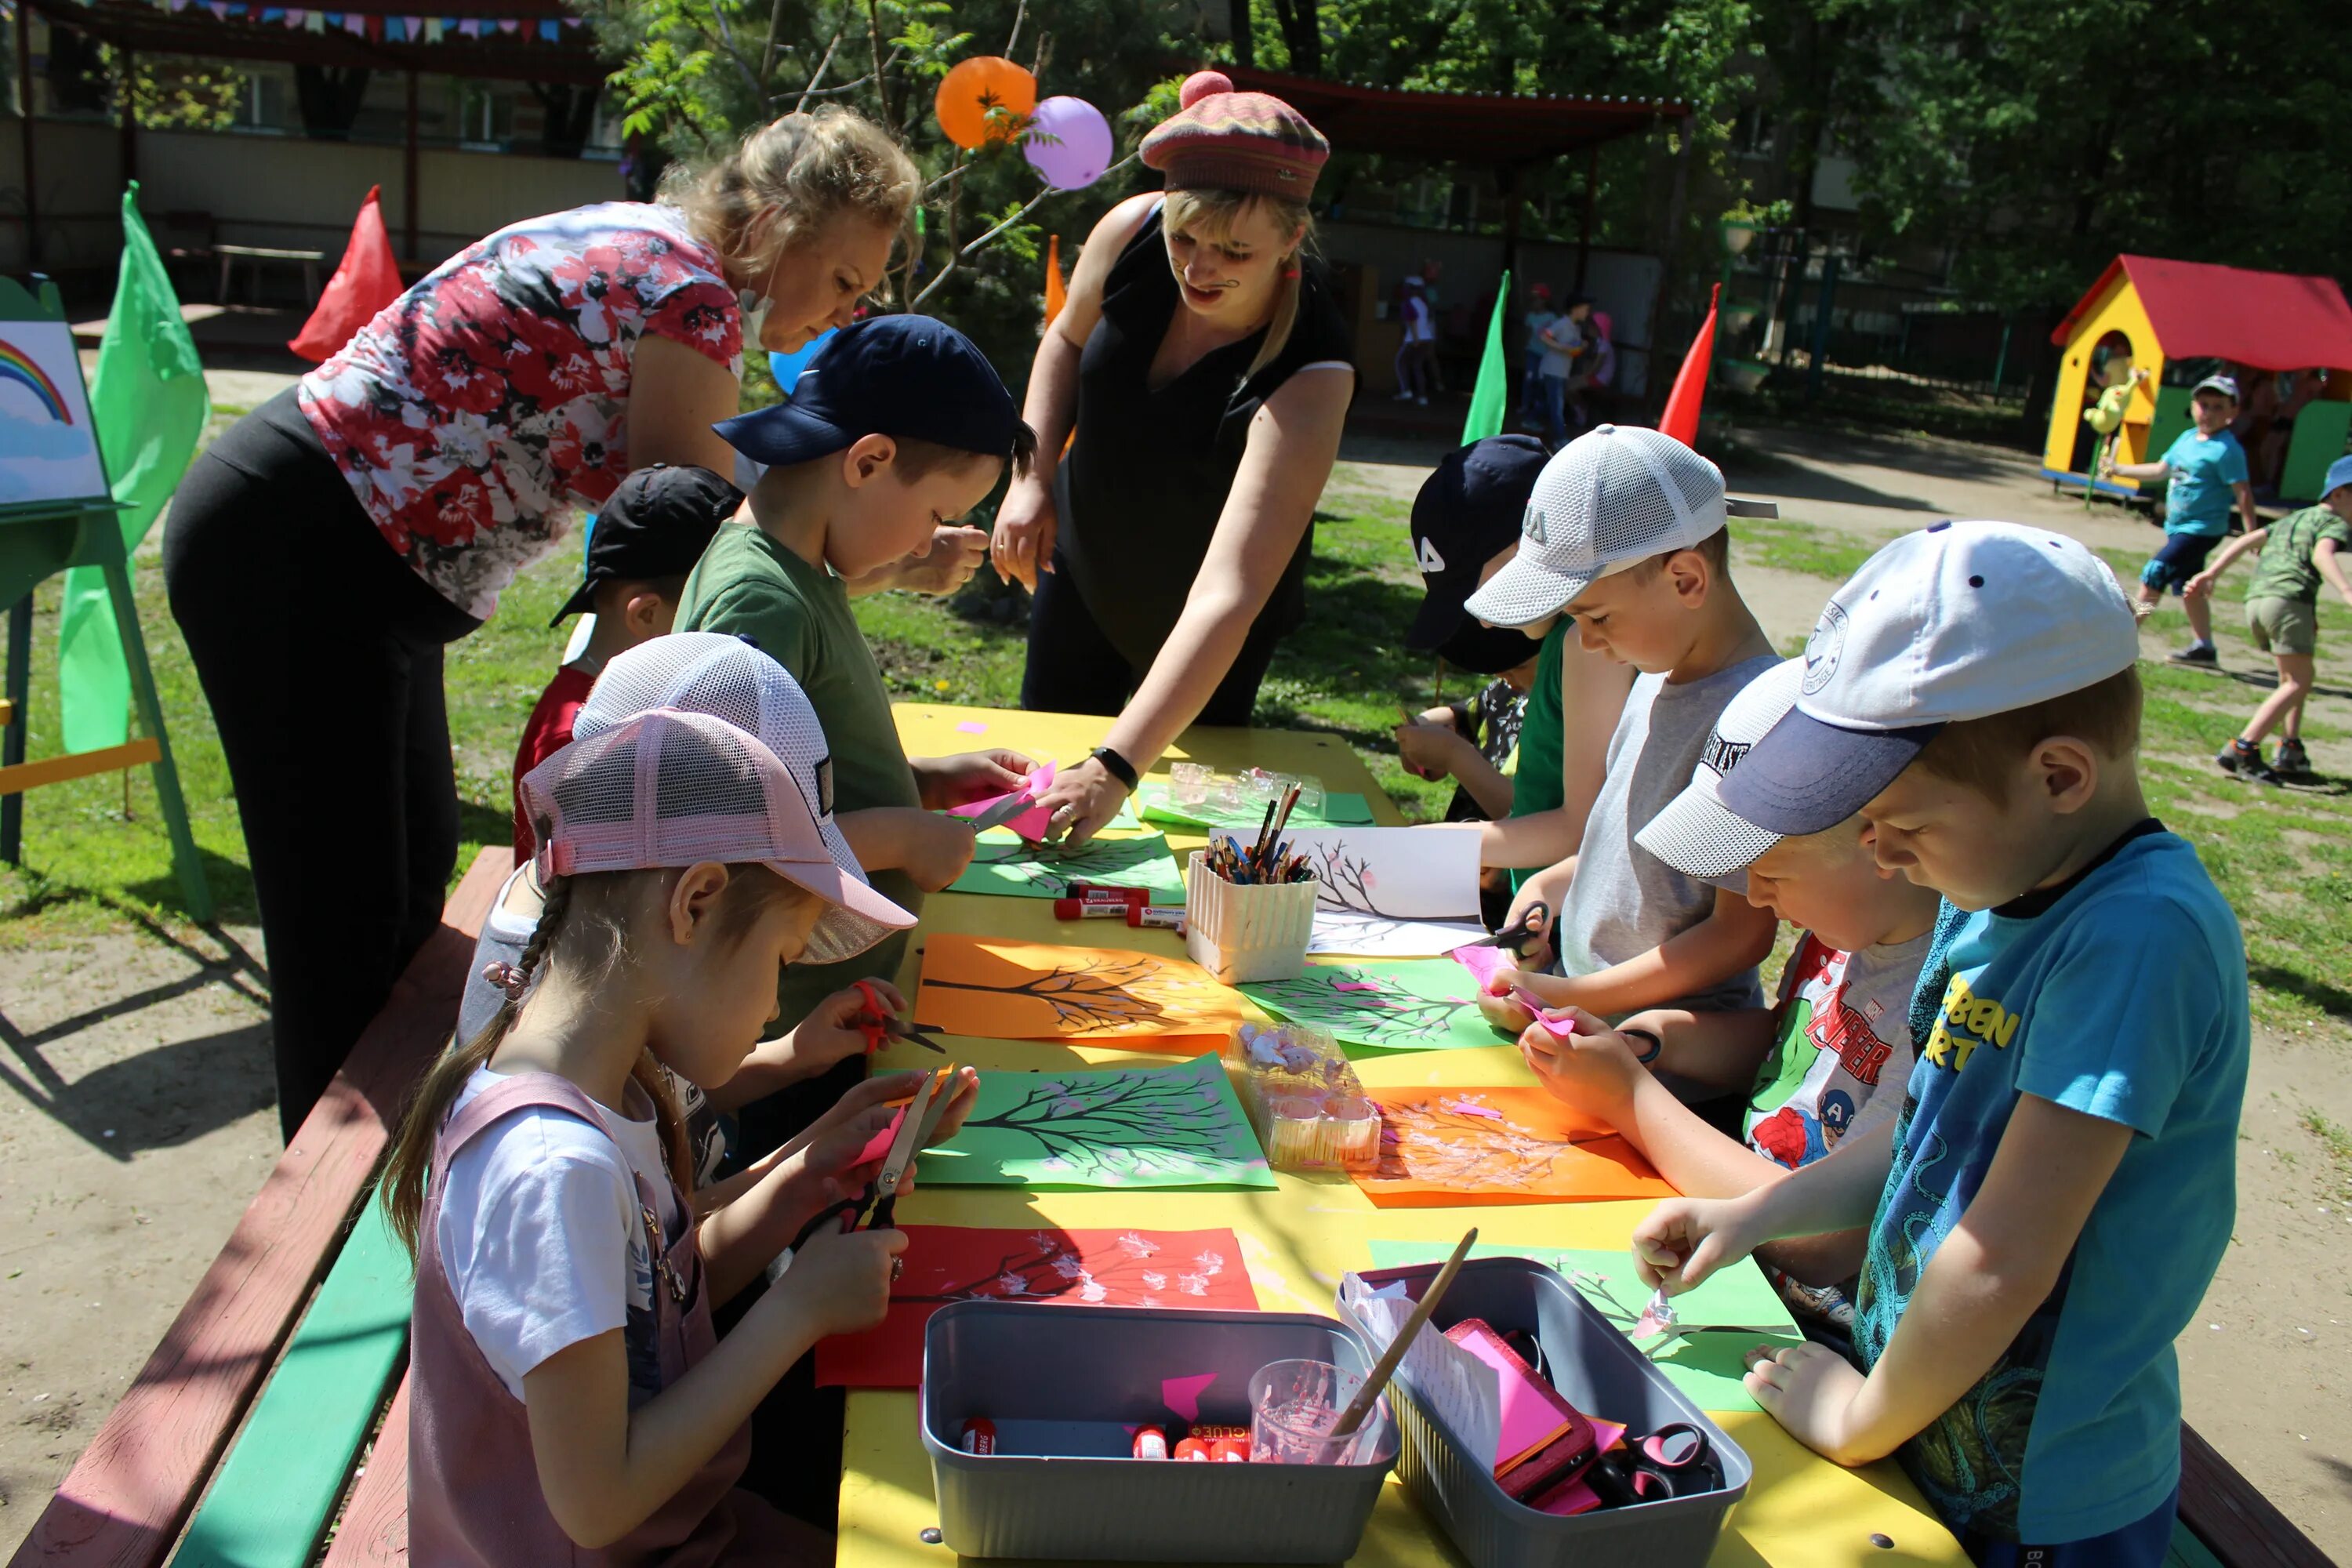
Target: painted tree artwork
x,y
997,988
1124,1127
1004,863
1392,892
1445,1146
1191,1268
1408,1005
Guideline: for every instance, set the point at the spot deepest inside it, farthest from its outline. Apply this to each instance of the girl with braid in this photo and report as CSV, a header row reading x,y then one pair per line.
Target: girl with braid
x,y
569,1400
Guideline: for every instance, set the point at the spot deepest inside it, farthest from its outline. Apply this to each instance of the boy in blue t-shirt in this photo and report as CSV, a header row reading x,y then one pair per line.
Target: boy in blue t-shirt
x,y
2205,469
2060,1184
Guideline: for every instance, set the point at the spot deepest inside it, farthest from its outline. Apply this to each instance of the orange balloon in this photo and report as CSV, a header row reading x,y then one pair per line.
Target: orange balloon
x,y
978,85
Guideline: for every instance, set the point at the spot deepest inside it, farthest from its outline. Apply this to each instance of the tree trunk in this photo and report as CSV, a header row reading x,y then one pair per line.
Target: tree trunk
x,y
1302,34
569,115
1244,46
330,99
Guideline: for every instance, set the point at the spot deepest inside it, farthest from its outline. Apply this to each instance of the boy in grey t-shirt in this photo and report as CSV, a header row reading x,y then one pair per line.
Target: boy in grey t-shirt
x,y
1626,532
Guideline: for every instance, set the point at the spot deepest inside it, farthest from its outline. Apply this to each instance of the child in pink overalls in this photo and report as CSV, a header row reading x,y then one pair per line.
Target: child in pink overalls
x,y
568,1401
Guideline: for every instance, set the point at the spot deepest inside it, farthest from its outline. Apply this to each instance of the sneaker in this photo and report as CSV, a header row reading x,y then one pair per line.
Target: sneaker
x,y
2246,762
2291,758
1422,401
2202,654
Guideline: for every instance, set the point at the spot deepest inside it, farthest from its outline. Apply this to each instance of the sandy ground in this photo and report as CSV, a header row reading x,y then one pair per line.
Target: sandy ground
x,y
138,1119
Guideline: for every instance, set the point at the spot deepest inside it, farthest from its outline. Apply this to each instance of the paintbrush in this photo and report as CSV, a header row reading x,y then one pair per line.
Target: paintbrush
x,y
1385,1368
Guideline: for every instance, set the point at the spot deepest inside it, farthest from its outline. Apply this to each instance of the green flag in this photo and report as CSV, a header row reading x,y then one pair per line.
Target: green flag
x,y
148,404
1491,398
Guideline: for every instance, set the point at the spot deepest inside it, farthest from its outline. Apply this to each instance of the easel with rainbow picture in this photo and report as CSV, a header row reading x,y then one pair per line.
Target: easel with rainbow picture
x,y
58,510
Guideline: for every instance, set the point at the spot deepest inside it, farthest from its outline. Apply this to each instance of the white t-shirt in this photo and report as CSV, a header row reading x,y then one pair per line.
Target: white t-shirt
x,y
1842,1054
1420,326
542,1239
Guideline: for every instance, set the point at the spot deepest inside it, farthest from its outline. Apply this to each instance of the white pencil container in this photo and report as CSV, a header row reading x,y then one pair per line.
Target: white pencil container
x,y
1242,933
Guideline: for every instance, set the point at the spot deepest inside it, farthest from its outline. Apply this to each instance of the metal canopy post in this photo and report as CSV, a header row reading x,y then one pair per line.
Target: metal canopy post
x,y
408,173
25,95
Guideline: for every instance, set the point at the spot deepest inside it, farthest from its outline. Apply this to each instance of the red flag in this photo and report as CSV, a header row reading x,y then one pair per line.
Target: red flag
x,y
368,280
1681,418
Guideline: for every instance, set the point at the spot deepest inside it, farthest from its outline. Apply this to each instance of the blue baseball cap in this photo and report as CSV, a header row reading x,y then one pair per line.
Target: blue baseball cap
x,y
2339,474
908,376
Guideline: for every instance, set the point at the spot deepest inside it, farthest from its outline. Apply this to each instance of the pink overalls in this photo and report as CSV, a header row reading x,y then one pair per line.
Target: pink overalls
x,y
474,1498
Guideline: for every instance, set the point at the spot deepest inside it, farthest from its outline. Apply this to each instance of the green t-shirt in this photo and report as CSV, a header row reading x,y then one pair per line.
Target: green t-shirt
x,y
2285,569
1535,786
747,585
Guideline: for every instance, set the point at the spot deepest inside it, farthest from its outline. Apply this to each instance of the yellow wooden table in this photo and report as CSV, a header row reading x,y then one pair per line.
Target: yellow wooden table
x,y
1801,1511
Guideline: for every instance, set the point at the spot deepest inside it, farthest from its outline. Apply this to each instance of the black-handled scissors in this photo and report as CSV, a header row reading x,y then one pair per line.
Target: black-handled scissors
x,y
1522,933
872,1208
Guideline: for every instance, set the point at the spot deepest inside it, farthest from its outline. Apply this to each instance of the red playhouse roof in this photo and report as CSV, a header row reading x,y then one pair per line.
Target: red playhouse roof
x,y
2272,321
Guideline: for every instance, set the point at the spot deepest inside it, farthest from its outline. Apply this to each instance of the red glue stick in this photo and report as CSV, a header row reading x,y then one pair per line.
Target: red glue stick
x,y
1151,1443
1160,917
1087,910
1192,1448
1096,893
1230,1450
980,1435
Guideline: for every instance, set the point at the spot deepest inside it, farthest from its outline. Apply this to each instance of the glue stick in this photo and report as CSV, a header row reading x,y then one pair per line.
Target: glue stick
x,y
1151,1443
1090,909
1192,1448
1099,893
980,1435
1157,916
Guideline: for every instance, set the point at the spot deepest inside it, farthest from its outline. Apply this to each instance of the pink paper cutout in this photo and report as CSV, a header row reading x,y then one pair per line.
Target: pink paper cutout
x,y
1031,824
1355,985
1485,962
971,727
1183,1395
1470,1107
1481,961
1527,1420
879,1144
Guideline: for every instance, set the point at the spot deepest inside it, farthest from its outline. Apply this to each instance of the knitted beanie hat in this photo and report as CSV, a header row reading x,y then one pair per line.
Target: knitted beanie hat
x,y
1227,141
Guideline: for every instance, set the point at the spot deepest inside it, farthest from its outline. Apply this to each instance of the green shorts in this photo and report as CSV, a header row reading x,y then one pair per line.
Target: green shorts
x,y
2283,625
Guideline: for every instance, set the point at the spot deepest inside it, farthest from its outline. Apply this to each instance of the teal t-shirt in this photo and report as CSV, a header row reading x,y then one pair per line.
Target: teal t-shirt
x,y
747,585
2121,995
1543,728
2206,470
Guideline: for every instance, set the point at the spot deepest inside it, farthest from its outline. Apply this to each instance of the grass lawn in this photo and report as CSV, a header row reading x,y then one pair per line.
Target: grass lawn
x,y
2284,858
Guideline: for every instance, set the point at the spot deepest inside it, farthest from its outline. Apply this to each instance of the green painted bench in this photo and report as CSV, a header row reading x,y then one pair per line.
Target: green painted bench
x,y
270,1428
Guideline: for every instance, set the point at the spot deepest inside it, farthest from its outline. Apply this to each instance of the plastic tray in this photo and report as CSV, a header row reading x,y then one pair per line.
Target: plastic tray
x,y
1600,1372
1026,1364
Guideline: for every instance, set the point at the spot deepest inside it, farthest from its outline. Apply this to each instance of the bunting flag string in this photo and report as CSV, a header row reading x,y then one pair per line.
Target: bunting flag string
x,y
368,25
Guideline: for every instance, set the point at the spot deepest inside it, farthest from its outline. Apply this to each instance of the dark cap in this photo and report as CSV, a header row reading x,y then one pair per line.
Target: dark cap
x,y
656,524
908,376
1467,511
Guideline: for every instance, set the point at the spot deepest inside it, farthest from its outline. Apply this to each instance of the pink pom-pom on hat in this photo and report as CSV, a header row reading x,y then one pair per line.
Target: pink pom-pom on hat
x,y
1224,140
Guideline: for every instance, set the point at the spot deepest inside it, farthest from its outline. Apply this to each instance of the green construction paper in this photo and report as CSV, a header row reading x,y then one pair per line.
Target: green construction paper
x,y
1002,862
1126,1127
148,404
1422,1005
1156,802
1709,1368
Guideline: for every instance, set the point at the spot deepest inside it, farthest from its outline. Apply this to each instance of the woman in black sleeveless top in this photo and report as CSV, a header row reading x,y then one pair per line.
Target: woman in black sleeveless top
x,y
1209,371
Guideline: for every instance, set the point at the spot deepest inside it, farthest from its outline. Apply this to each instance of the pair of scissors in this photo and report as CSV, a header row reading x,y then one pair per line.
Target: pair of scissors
x,y
878,1023
872,1208
1522,933
1003,812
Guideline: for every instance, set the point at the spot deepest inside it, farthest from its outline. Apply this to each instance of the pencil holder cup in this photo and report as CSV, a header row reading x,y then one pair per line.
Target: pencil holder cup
x,y
1242,933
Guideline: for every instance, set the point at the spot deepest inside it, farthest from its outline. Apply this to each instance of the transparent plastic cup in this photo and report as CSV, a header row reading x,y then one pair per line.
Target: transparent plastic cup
x,y
1311,796
1294,1404
1188,783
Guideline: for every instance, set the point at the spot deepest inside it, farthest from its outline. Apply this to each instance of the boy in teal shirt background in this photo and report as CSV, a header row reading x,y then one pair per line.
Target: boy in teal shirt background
x,y
2062,1178
2205,470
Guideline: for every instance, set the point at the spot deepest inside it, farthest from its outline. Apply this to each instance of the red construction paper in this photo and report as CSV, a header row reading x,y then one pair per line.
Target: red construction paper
x,y
879,1144
1439,1147
944,1263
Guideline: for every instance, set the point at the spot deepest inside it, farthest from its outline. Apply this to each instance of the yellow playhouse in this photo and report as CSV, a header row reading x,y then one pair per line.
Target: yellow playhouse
x,y
2152,311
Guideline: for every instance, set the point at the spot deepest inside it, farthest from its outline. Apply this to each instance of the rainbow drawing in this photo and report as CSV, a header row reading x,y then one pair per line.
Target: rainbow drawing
x,y
18,366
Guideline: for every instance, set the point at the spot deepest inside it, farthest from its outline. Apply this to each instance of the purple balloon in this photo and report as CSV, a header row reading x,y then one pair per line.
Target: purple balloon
x,y
1081,147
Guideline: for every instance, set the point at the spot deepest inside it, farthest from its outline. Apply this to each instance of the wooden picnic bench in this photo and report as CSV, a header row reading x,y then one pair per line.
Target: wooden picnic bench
x,y
254,255
269,1428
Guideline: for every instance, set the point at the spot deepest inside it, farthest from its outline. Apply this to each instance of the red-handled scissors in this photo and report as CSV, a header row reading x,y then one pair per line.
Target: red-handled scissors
x,y
872,1208
878,1024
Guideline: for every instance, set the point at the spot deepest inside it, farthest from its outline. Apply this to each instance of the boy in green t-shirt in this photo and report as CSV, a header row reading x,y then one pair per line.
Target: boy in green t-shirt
x,y
898,425
2282,618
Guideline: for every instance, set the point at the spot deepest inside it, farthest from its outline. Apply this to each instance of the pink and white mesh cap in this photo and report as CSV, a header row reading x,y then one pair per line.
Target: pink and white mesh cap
x,y
727,677
670,788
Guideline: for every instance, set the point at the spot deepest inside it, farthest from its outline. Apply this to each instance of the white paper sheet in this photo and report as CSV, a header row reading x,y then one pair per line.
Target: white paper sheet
x,y
1392,892
1445,1380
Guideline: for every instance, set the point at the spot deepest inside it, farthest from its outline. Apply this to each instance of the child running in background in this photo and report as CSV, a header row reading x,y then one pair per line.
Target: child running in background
x,y
2204,468
1626,532
1824,1069
568,1395
2063,1177
899,426
2282,618
727,677
647,537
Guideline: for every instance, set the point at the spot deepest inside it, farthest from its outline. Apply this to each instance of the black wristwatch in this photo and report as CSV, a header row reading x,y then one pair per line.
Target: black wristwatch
x,y
1656,1044
1119,767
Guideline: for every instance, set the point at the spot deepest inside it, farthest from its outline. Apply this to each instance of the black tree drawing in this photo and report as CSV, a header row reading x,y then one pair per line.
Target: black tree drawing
x,y
1470,1147
1114,862
1103,1126
1133,1271
1090,994
1345,881
1358,1005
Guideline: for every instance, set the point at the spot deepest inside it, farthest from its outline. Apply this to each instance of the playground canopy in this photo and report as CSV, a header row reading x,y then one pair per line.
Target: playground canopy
x,y
2272,321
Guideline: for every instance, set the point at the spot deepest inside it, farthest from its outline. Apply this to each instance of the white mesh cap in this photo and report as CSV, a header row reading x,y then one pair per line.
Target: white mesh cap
x,y
669,788
727,677
1613,497
1697,835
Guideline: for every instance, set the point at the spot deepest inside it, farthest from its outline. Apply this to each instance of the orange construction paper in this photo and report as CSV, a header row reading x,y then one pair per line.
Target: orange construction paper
x,y
1439,1147
1001,989
1045,1264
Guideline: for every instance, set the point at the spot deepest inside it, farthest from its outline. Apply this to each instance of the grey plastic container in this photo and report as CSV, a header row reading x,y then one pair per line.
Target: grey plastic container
x,y
1006,1360
1597,1369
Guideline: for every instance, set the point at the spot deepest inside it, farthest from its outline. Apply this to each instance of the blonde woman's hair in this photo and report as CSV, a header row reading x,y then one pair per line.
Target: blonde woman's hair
x,y
1214,213
788,179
